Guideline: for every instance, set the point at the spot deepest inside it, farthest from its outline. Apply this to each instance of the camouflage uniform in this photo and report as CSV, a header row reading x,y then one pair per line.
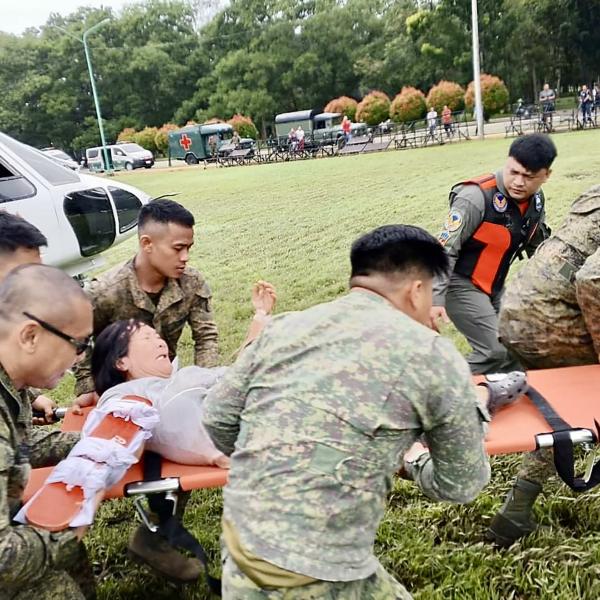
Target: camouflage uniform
x,y
117,295
550,315
33,562
378,586
317,415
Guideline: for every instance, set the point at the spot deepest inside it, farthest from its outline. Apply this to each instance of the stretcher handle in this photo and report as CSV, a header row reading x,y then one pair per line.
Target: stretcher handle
x,y
57,414
141,489
160,486
578,436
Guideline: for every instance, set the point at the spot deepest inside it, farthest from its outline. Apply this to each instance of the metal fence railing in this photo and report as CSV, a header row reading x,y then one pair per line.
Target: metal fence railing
x,y
459,126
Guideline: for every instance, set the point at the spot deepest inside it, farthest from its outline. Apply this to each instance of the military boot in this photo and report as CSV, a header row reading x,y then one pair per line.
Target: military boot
x,y
153,550
515,519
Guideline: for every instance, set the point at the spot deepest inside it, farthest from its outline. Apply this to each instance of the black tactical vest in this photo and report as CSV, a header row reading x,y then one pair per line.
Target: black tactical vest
x,y
486,256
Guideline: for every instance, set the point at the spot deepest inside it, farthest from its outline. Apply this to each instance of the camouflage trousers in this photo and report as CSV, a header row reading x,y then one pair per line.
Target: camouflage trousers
x,y
379,586
75,584
55,585
537,466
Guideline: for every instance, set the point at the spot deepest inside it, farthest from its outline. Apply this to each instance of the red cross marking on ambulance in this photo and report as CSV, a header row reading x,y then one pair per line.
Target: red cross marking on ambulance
x,y
185,142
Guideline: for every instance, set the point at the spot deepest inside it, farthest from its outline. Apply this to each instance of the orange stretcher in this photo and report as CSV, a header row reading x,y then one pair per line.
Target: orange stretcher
x,y
573,392
189,477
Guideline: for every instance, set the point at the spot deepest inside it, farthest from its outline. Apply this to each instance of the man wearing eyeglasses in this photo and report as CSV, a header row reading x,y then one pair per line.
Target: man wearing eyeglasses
x,y
20,244
45,324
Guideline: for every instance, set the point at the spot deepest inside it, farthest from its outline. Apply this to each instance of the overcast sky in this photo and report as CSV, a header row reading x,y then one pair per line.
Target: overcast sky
x,y
18,15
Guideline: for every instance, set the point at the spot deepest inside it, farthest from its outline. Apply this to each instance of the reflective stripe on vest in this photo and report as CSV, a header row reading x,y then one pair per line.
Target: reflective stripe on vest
x,y
486,256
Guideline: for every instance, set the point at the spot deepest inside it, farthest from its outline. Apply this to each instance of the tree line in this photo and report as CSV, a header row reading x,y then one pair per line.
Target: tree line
x,y
171,62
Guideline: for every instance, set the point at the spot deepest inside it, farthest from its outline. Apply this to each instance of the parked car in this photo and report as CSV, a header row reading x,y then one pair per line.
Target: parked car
x,y
125,155
60,157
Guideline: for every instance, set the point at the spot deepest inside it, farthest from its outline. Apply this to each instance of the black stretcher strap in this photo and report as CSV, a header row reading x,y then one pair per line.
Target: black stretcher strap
x,y
564,458
552,417
169,526
564,461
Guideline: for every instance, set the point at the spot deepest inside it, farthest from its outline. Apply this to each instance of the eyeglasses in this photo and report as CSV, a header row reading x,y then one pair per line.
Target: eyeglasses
x,y
80,345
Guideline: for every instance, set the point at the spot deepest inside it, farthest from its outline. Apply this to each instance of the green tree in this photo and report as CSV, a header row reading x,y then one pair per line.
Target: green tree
x,y
408,105
446,93
494,95
344,105
373,108
244,126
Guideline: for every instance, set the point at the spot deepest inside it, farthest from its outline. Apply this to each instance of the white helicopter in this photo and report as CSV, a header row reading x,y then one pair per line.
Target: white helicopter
x,y
80,215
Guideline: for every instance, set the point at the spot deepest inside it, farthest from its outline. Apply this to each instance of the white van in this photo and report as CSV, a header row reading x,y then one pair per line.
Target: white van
x,y
80,215
125,155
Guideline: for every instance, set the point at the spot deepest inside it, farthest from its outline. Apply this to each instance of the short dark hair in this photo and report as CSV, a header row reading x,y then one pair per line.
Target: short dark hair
x,y
397,249
534,151
165,211
16,232
45,291
111,345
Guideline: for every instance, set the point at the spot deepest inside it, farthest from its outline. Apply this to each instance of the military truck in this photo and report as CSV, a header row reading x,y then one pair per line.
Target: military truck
x,y
319,127
195,143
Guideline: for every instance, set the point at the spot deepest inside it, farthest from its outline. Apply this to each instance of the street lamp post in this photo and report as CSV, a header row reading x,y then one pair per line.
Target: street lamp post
x,y
94,92
476,69
88,60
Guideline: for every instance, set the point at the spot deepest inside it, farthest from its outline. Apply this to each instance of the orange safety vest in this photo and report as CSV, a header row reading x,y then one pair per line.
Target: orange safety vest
x,y
486,256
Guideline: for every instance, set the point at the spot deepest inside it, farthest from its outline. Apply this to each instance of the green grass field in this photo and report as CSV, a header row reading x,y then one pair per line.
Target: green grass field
x,y
292,224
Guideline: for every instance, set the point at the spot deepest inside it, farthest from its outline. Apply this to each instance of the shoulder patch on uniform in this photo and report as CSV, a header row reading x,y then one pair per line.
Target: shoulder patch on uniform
x,y
444,237
538,202
499,202
454,221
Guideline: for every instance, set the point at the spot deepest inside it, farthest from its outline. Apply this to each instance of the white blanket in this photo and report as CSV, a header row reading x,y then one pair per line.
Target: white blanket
x,y
179,435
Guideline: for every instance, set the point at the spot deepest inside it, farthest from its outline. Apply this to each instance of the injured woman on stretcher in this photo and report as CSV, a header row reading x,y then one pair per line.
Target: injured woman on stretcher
x,y
130,358
147,403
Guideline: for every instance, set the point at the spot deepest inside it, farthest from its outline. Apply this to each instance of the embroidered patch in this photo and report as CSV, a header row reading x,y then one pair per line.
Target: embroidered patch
x,y
454,221
444,237
538,202
499,202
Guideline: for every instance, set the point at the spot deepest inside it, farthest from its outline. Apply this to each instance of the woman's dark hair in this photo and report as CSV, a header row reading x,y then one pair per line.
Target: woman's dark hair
x,y
111,345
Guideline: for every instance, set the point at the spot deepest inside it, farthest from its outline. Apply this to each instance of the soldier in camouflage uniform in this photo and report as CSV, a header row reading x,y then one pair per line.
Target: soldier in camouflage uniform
x,y
550,317
317,415
45,323
158,288
20,244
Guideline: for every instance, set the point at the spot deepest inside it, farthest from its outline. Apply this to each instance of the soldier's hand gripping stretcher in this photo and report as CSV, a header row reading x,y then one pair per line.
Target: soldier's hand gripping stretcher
x,y
561,419
493,393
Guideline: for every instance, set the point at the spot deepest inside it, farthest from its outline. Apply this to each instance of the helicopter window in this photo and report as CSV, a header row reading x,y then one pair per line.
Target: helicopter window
x,y
52,172
13,186
128,208
90,214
